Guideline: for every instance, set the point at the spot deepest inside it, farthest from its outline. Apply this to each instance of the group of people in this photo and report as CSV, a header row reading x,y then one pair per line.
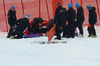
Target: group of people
x,y
22,26
65,21
70,20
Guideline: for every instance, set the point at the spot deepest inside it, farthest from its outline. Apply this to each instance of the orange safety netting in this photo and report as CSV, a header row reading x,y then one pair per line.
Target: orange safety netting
x,y
42,8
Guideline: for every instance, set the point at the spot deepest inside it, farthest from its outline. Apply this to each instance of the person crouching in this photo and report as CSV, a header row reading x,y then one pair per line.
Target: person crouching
x,y
22,24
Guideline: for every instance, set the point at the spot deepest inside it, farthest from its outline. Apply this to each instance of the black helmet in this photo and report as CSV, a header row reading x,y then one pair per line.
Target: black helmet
x,y
40,19
35,19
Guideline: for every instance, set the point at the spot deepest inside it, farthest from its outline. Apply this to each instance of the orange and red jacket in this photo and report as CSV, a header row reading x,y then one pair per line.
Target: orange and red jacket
x,y
45,23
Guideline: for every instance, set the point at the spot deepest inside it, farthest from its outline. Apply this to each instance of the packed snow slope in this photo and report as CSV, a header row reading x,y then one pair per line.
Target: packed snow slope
x,y
76,52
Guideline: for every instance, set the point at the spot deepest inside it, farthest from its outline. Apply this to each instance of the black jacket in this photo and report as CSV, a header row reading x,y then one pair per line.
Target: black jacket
x,y
22,24
71,16
11,18
80,15
60,15
92,16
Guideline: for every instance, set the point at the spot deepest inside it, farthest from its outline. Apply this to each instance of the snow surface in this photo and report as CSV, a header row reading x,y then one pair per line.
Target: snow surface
x,y
77,51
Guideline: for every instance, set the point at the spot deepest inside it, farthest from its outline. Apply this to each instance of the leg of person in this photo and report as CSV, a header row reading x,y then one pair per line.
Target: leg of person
x,y
13,35
89,31
76,33
19,35
93,31
58,32
72,28
64,30
68,32
80,29
73,31
10,32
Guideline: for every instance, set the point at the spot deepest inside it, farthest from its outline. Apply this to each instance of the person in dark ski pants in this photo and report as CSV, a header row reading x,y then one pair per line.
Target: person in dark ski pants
x,y
80,18
92,21
71,20
60,20
11,20
22,24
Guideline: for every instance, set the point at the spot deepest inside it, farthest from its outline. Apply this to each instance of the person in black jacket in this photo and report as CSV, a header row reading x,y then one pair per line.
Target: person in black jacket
x,y
22,24
80,18
71,20
60,20
92,21
11,20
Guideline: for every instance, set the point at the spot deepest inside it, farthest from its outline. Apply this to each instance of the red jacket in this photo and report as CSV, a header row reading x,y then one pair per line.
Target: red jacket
x,y
45,22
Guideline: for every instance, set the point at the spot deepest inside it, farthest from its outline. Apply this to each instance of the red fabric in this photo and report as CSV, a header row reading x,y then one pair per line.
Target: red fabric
x,y
39,34
31,23
26,32
50,20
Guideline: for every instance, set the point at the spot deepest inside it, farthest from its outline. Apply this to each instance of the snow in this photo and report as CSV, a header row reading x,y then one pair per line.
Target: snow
x,y
76,52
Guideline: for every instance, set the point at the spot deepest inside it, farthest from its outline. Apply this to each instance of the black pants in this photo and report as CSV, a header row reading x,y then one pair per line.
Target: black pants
x,y
58,26
19,34
80,28
68,34
78,24
65,31
72,30
91,30
10,32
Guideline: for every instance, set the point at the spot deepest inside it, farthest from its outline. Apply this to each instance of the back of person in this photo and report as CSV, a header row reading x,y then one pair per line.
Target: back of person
x,y
92,16
79,20
80,15
23,23
62,15
71,16
60,20
92,21
71,20
35,24
61,12
12,18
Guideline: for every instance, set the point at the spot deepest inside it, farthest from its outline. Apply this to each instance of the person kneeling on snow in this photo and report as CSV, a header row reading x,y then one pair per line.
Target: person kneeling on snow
x,y
22,24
